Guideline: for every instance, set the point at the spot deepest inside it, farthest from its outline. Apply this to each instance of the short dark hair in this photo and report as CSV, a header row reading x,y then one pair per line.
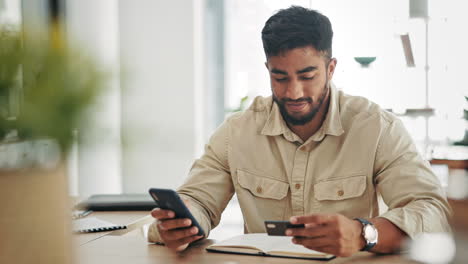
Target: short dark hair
x,y
297,27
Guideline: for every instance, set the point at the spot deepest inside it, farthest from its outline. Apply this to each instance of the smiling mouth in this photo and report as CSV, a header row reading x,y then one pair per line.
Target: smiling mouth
x,y
296,107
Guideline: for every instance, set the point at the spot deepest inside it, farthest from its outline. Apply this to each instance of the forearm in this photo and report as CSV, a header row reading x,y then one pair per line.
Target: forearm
x,y
391,237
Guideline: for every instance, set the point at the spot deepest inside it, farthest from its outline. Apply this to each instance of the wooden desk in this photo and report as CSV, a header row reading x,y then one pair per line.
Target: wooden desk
x,y
130,246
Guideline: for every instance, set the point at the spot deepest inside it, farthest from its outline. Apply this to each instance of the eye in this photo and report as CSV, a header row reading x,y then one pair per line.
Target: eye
x,y
307,78
281,79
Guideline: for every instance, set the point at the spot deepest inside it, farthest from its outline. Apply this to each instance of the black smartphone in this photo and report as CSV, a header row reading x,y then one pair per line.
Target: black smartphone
x,y
170,200
278,228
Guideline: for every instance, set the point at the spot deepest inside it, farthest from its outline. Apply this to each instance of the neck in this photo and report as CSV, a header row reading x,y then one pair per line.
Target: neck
x,y
307,130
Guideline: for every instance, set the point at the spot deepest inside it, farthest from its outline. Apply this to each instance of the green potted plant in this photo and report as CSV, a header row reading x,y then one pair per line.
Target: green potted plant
x,y
46,90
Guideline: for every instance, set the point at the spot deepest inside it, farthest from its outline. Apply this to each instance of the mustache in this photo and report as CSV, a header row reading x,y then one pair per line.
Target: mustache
x,y
300,100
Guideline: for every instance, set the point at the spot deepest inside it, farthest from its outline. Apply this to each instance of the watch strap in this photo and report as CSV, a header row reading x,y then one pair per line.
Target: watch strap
x,y
368,245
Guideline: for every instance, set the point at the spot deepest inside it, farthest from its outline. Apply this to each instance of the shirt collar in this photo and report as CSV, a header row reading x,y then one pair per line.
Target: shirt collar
x,y
275,124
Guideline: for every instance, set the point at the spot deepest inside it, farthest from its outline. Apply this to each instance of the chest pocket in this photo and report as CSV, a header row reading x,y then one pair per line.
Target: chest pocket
x,y
340,189
344,196
263,187
261,197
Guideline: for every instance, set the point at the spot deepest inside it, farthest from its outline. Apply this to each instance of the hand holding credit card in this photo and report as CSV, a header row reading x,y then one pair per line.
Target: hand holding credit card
x,y
278,228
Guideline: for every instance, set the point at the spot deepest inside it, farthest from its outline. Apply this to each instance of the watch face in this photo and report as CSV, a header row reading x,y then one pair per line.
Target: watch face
x,y
370,234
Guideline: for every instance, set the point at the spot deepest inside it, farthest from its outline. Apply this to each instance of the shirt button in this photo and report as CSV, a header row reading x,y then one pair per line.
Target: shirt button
x,y
259,189
340,193
297,186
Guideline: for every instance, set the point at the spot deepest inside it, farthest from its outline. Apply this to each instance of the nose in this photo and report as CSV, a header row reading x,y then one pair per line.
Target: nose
x,y
294,90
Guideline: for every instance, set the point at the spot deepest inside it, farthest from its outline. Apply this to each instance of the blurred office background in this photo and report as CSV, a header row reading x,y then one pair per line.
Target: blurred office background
x,y
178,67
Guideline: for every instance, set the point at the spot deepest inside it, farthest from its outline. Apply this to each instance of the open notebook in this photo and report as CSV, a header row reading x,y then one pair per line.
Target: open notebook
x,y
93,224
262,244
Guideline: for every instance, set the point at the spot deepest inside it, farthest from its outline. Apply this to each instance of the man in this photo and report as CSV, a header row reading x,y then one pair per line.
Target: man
x,y
312,155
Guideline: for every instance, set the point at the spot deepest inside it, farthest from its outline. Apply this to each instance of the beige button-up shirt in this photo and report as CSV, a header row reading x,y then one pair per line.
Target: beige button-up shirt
x,y
359,152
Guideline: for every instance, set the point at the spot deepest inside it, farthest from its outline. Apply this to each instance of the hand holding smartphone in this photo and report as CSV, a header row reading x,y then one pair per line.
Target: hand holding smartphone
x,y
278,228
168,199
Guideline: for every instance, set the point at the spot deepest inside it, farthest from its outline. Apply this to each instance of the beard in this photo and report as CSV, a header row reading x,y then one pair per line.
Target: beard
x,y
307,117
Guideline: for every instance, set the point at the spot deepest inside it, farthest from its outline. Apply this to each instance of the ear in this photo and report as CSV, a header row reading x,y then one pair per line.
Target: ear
x,y
331,68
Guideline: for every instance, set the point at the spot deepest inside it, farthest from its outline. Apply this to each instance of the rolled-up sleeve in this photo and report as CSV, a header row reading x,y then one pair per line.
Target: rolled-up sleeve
x,y
208,187
416,200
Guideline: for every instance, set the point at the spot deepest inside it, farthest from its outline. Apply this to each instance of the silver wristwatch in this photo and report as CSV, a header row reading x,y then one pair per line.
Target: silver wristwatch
x,y
370,234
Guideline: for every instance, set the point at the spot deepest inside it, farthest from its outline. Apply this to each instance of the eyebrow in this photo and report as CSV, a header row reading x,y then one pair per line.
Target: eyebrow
x,y
307,69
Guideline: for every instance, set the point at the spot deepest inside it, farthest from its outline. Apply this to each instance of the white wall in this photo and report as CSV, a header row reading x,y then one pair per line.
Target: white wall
x,y
10,12
95,164
160,48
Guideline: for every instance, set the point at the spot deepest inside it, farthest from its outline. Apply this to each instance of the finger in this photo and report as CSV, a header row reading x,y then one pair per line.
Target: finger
x,y
309,225
314,243
159,213
174,223
317,231
173,235
199,237
313,220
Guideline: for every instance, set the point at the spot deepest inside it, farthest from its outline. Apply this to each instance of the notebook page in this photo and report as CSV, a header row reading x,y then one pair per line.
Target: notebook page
x,y
283,247
258,240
